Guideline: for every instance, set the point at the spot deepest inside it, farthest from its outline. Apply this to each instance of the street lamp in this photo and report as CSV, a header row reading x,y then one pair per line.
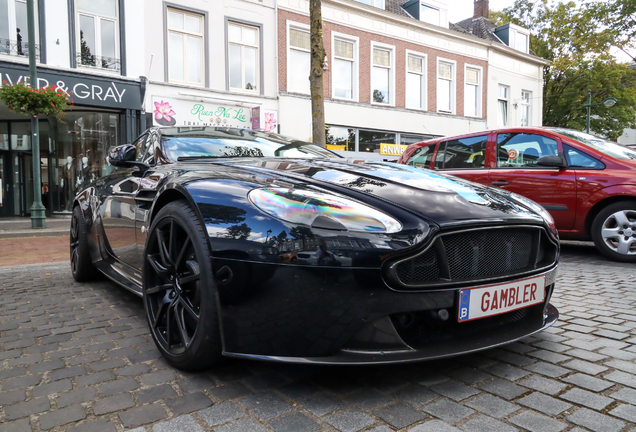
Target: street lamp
x,y
608,102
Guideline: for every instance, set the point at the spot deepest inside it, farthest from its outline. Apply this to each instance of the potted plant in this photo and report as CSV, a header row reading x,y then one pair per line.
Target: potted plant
x,y
23,99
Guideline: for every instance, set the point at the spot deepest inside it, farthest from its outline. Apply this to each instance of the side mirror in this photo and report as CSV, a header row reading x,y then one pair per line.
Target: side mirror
x,y
125,156
553,161
122,155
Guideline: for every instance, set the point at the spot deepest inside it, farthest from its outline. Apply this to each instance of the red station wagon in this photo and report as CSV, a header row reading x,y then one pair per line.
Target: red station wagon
x,y
588,184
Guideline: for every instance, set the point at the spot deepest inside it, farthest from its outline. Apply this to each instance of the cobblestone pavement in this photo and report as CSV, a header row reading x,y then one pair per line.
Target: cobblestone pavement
x,y
79,358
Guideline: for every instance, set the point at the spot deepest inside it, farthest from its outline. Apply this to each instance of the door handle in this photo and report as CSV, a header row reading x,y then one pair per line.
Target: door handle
x,y
500,183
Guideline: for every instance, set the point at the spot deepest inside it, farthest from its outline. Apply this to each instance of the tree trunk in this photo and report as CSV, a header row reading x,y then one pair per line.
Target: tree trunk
x,y
315,76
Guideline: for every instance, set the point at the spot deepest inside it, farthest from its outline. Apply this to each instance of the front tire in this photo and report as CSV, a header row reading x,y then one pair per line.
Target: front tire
x,y
179,291
81,265
614,231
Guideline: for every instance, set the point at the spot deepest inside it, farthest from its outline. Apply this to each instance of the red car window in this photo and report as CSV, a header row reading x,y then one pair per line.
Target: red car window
x,y
522,150
422,157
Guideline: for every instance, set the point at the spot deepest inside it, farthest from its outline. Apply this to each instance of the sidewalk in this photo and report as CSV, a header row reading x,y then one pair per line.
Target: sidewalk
x,y
21,227
20,244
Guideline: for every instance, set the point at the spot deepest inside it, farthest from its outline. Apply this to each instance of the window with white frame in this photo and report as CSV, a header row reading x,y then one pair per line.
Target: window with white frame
x,y
445,86
502,105
381,76
299,61
97,26
526,107
14,34
429,14
375,3
243,50
186,47
416,81
472,92
343,69
519,41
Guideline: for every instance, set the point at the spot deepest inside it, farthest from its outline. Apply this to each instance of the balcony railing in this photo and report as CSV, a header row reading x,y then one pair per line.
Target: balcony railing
x,y
17,48
93,61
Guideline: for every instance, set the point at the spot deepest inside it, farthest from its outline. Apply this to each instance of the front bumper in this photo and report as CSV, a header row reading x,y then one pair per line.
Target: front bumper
x,y
349,316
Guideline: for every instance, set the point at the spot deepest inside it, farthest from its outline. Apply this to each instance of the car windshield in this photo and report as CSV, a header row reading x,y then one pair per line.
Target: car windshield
x,y
609,148
208,142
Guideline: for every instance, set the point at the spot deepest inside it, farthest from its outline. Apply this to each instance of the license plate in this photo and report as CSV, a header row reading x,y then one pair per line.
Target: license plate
x,y
481,302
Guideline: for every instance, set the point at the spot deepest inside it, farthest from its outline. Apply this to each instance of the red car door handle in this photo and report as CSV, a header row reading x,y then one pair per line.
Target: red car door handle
x,y
500,183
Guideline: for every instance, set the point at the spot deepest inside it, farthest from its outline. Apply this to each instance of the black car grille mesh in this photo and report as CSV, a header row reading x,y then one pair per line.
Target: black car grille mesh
x,y
487,253
476,255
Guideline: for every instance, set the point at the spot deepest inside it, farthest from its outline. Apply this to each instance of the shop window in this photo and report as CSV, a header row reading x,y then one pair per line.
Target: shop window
x,y
369,141
522,150
416,82
382,76
472,92
186,44
299,61
502,105
81,154
446,86
97,26
344,68
407,139
340,138
14,34
526,107
243,50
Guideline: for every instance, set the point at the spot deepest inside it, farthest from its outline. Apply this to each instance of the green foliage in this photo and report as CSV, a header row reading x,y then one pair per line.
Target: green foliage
x,y
576,38
22,99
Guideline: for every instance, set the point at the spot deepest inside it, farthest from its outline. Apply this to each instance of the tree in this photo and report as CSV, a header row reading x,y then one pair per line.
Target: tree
x,y
576,38
315,78
239,232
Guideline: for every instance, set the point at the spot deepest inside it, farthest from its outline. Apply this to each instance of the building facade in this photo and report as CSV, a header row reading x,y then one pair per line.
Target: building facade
x,y
397,72
86,49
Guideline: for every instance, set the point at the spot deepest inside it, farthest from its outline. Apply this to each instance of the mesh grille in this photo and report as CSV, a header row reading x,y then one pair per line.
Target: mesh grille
x,y
424,267
488,252
477,255
423,331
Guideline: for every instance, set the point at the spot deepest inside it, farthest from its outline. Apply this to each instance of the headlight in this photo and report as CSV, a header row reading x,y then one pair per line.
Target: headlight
x,y
321,210
547,217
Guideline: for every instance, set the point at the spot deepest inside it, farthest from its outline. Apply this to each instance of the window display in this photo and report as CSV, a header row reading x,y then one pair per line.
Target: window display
x,y
81,153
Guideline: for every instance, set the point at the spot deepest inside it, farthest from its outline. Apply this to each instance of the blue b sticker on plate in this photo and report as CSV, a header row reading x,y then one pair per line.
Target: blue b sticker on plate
x,y
464,304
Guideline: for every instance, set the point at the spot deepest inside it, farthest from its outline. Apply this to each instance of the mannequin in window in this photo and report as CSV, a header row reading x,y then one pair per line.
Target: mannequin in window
x,y
84,175
68,174
107,168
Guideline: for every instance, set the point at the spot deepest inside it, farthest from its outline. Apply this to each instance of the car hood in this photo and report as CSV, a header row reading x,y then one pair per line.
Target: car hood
x,y
442,199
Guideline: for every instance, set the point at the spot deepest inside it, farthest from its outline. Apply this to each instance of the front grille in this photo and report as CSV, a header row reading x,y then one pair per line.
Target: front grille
x,y
474,255
488,253
424,329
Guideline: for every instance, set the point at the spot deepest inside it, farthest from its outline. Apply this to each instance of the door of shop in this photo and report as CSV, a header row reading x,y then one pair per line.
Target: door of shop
x,y
22,183
5,185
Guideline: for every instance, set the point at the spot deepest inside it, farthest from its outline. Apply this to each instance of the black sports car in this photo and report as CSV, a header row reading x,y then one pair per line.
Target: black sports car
x,y
254,245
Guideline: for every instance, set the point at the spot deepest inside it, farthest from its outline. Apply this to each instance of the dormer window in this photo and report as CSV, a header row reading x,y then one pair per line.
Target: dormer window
x,y
429,11
375,3
429,14
514,36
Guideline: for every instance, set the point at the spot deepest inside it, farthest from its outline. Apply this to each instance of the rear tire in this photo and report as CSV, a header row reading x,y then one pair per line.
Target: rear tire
x,y
614,231
179,291
81,265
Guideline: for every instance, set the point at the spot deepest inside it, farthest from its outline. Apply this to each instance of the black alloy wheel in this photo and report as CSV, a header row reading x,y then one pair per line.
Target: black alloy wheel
x,y
81,265
179,291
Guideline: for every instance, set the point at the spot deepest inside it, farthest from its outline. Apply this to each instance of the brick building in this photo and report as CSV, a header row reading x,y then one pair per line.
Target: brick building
x,y
398,72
